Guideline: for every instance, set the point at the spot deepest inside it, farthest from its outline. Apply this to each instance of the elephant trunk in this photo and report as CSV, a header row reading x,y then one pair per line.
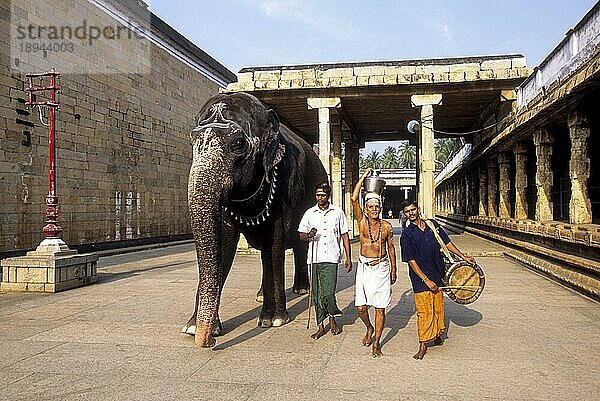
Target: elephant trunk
x,y
205,197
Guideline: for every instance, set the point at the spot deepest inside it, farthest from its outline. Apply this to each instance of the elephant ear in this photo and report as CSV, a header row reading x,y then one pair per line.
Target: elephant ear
x,y
274,150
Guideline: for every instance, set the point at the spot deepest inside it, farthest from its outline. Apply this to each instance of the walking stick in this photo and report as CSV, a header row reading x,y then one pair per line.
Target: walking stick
x,y
310,273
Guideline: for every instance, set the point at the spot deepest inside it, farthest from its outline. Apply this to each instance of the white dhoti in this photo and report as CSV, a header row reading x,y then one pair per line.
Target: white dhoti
x,y
373,285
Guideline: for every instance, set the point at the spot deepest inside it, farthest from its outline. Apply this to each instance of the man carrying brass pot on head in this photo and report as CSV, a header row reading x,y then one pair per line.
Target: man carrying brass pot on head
x,y
376,270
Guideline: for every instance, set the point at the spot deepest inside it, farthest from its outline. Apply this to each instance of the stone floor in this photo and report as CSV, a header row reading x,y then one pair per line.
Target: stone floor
x,y
525,338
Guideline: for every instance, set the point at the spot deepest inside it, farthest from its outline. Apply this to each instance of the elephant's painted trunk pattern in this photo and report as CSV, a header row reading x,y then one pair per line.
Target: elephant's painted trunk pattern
x,y
205,194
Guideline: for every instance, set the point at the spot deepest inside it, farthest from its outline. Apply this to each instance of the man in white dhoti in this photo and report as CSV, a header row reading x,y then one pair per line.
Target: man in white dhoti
x,y
376,270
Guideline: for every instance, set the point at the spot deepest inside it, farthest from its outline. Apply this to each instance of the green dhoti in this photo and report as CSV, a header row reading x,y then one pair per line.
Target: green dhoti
x,y
324,279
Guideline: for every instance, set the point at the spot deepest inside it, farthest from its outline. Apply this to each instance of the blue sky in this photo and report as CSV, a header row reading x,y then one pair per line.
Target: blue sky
x,y
242,33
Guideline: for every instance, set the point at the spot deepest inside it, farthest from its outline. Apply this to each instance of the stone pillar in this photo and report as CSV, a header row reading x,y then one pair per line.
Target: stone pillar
x,y
452,197
504,185
336,166
465,193
483,205
325,140
543,175
492,191
580,206
468,195
351,170
444,205
520,152
323,104
426,165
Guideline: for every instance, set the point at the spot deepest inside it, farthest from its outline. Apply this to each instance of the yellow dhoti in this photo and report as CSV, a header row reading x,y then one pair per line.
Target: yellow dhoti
x,y
430,315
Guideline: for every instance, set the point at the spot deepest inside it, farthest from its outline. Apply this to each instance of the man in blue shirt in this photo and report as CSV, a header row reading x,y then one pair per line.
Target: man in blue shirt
x,y
421,250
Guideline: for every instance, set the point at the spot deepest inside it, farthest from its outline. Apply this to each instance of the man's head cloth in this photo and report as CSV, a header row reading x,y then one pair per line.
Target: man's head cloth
x,y
323,189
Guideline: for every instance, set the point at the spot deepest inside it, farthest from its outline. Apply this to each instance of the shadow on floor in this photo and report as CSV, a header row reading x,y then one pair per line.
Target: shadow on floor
x,y
108,277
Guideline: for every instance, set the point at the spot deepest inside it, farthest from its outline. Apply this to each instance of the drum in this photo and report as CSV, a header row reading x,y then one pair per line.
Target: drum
x,y
464,282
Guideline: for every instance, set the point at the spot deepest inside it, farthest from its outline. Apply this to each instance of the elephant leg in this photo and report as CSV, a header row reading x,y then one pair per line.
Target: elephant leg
x,y
281,315
265,319
300,269
228,249
259,294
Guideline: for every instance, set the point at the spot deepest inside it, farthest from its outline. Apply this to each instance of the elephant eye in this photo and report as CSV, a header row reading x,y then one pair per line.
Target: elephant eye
x,y
239,145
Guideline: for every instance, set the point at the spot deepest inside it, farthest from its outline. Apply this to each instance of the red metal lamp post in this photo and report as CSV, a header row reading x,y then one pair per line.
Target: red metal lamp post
x,y
52,229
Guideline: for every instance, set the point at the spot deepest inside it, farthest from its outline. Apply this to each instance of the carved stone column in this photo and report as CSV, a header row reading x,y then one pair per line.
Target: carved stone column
x,y
580,206
336,166
427,160
323,105
461,195
468,193
504,185
351,163
520,152
492,184
453,197
483,205
543,175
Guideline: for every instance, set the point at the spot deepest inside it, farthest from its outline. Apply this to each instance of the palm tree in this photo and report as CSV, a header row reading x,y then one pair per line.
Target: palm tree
x,y
446,148
389,159
362,163
407,155
373,159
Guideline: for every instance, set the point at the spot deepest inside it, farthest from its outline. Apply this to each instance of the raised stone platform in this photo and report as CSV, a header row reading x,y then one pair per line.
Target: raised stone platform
x,y
566,252
52,267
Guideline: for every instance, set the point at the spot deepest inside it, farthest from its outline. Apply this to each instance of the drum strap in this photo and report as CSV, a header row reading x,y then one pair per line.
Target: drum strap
x,y
439,239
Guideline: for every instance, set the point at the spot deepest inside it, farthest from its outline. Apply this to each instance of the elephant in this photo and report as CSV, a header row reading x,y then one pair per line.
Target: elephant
x,y
250,174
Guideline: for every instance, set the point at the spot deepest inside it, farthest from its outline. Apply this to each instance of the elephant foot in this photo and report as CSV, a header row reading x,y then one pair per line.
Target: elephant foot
x,y
300,290
216,329
190,326
280,318
265,320
189,329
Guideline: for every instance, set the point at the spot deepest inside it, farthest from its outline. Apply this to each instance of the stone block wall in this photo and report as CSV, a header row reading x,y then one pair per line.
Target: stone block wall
x,y
123,150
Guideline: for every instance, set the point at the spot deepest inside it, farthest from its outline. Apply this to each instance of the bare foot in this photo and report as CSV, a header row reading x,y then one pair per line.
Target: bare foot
x,y
335,329
319,333
377,350
422,351
368,338
438,341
